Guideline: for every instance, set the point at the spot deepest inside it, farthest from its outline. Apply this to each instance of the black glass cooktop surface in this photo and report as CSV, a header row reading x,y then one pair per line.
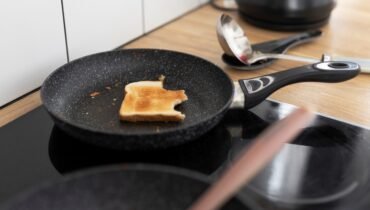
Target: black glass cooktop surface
x,y
326,167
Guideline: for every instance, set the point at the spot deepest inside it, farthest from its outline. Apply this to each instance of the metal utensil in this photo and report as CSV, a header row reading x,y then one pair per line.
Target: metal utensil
x,y
235,44
280,46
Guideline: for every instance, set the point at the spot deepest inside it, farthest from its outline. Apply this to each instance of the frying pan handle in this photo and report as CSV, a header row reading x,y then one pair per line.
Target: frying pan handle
x,y
258,89
363,62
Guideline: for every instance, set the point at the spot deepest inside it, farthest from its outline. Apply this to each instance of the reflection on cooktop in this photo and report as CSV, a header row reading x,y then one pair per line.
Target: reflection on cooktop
x,y
326,167
205,154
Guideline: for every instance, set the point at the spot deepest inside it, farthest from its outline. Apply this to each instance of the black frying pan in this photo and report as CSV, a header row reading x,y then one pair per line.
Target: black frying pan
x,y
135,187
66,94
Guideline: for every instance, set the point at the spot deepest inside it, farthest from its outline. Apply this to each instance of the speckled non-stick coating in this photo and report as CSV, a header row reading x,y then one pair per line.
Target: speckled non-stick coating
x,y
138,187
66,96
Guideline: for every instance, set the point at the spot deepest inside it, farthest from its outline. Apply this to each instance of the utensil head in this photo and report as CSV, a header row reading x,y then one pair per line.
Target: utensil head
x,y
236,64
232,39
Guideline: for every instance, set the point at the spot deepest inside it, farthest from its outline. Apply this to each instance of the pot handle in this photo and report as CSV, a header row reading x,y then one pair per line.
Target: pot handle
x,y
258,89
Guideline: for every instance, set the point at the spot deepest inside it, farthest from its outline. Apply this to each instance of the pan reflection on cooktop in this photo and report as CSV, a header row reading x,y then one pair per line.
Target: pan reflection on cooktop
x,y
205,154
326,167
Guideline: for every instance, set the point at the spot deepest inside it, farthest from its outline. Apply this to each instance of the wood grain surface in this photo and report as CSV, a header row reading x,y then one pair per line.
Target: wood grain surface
x,y
347,34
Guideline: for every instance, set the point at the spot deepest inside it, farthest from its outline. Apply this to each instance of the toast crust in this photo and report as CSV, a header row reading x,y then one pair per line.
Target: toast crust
x,y
149,101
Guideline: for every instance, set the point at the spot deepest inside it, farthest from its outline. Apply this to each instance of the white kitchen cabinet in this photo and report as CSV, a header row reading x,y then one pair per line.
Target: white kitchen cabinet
x,y
95,25
159,12
32,45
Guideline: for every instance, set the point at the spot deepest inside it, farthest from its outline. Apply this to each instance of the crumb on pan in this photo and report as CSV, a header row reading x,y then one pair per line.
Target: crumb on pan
x,y
161,78
93,94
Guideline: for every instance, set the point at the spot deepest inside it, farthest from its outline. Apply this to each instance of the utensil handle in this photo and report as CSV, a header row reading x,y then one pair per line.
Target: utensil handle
x,y
282,45
305,36
363,62
258,89
293,58
298,39
253,159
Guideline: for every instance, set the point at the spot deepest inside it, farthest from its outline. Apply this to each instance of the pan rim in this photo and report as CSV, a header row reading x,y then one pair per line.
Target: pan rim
x,y
90,129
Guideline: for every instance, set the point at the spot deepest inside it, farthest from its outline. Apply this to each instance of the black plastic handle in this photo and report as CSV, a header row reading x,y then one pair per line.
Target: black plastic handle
x,y
258,89
281,45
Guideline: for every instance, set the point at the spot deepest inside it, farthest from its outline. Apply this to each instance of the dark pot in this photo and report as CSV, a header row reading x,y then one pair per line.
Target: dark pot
x,y
286,14
124,187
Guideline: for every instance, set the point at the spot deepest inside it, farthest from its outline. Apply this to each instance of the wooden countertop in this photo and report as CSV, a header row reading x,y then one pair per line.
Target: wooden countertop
x,y
346,34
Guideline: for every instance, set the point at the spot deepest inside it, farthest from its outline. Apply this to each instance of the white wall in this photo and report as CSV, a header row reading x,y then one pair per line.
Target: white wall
x,y
96,25
33,42
32,45
158,12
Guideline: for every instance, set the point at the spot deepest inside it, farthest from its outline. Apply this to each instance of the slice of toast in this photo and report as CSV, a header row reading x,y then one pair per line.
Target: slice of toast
x,y
149,101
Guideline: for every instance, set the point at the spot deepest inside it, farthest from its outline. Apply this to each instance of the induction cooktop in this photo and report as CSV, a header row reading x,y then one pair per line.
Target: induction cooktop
x,y
326,167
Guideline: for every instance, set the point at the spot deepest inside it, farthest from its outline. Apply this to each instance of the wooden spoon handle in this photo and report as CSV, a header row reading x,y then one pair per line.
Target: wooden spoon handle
x,y
253,159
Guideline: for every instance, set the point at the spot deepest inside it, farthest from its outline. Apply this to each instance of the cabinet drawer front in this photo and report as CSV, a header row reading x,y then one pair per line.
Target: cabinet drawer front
x,y
159,12
94,25
32,45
